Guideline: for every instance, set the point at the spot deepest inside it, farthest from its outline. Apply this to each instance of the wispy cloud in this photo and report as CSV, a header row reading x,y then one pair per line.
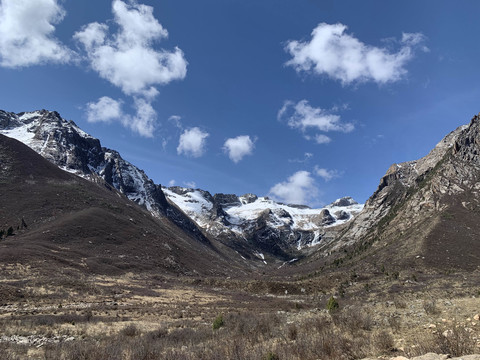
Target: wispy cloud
x,y
26,33
341,56
239,147
190,184
322,139
306,157
326,174
306,118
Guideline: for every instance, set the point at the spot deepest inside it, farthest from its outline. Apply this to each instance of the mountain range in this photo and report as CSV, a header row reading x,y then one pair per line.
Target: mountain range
x,y
249,224
425,210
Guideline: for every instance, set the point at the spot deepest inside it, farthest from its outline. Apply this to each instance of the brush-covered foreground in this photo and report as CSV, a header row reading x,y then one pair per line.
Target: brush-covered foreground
x,y
67,315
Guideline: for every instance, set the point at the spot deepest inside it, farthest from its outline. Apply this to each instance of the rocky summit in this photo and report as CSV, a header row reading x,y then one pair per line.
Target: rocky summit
x,y
249,224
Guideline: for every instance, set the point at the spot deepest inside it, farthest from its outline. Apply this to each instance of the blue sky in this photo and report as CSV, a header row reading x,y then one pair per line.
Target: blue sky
x,y
305,101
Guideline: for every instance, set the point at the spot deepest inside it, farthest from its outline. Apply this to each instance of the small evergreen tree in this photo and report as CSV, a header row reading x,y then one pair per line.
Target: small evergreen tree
x,y
10,231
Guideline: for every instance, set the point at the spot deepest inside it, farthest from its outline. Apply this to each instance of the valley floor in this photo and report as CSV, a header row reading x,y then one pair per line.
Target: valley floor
x,y
70,316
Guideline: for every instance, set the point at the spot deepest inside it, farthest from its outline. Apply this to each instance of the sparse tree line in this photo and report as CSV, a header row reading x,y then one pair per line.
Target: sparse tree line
x,y
10,230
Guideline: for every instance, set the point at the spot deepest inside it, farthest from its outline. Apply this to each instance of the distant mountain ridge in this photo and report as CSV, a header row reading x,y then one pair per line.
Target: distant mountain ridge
x,y
248,223
269,226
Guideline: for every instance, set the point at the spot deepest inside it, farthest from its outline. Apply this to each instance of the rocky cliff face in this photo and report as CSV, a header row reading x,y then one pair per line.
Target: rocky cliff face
x,y
249,224
261,222
66,145
432,203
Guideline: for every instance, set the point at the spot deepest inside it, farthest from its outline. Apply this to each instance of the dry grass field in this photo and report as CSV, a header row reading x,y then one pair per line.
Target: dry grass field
x,y
145,316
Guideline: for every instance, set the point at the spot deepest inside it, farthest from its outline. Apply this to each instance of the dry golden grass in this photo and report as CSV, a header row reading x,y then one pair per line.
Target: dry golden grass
x,y
153,317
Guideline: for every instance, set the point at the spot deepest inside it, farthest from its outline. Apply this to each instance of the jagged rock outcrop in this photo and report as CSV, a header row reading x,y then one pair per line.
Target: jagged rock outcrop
x,y
261,223
430,205
246,223
66,145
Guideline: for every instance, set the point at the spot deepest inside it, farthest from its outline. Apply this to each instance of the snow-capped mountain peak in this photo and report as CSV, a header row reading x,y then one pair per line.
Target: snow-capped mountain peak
x,y
231,215
248,223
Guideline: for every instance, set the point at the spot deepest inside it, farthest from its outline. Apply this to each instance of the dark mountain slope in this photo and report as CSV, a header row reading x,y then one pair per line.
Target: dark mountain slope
x,y
58,218
66,145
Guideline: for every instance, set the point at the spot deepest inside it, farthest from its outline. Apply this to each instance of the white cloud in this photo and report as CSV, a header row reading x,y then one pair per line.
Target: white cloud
x,y
192,142
176,120
326,174
105,109
171,182
304,117
298,189
144,120
238,147
343,57
322,139
307,157
26,33
190,184
128,59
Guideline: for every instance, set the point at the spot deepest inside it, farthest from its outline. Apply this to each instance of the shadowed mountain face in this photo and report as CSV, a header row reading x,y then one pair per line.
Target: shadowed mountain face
x,y
59,219
247,224
427,212
423,214
67,146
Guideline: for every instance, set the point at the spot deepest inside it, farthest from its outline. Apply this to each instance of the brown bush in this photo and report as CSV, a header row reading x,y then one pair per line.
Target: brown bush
x,y
430,307
353,320
383,342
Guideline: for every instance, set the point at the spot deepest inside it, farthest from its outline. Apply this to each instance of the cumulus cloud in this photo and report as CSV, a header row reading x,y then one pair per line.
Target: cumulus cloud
x,y
26,33
326,174
192,142
343,57
238,147
143,123
128,59
107,110
298,189
303,116
306,118
171,182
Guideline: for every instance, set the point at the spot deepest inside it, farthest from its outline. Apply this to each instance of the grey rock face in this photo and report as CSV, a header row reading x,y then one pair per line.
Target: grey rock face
x,y
259,223
414,191
273,228
66,145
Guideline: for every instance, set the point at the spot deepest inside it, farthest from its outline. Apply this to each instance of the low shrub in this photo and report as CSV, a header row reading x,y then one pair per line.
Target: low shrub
x,y
218,322
332,304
